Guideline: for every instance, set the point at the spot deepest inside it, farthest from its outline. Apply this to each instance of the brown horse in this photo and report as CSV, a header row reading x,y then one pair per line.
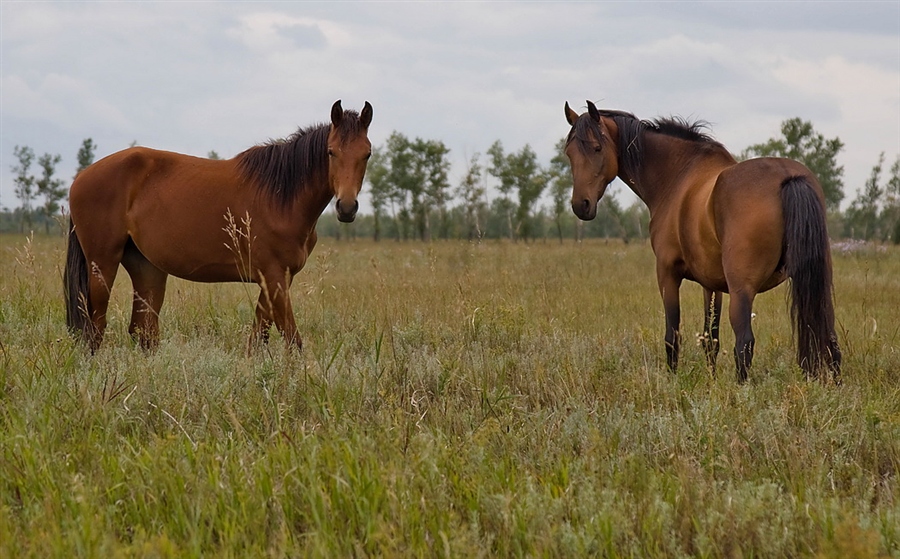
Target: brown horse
x,y
734,227
247,219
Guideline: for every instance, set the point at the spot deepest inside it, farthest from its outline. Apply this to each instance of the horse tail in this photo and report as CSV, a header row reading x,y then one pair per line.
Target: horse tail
x,y
75,282
807,259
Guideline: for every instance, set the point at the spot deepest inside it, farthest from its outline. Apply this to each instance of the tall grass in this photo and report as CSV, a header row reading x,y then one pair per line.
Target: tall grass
x,y
451,400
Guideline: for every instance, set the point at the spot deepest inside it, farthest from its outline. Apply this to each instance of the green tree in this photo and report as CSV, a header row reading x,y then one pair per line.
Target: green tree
x,y
85,155
405,187
213,154
861,220
801,142
433,167
499,169
471,191
50,188
377,173
890,215
521,173
413,175
24,183
559,178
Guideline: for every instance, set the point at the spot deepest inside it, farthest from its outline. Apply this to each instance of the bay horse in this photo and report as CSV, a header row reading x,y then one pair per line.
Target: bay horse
x,y
251,218
733,227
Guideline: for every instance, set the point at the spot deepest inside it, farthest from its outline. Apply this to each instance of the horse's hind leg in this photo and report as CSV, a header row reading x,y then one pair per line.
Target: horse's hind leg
x,y
712,301
149,283
740,311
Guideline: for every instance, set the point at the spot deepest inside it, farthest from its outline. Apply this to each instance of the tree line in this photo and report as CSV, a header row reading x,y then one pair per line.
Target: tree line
x,y
413,198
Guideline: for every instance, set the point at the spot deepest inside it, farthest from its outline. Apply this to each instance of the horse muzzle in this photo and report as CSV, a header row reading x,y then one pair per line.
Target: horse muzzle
x,y
346,212
585,209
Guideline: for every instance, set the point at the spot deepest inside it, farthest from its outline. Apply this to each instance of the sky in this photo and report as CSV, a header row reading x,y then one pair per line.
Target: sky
x,y
196,76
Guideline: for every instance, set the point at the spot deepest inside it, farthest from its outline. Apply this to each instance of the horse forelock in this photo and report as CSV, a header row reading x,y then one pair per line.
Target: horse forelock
x,y
283,168
583,131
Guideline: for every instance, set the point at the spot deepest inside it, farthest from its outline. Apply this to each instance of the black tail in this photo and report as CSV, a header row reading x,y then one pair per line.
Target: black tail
x,y
75,283
807,258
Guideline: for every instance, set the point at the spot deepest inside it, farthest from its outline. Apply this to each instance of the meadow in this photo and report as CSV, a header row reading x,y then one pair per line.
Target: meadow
x,y
452,400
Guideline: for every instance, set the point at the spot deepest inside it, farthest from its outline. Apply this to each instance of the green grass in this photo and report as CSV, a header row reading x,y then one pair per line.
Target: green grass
x,y
452,400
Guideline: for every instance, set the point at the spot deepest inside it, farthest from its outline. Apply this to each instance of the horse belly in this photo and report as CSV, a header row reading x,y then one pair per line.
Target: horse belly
x,y
188,237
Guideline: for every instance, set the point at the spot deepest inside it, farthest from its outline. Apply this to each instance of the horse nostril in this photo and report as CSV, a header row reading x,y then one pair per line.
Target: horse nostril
x,y
585,205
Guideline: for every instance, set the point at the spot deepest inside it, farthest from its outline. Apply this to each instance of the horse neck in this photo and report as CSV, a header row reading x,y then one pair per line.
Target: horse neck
x,y
311,201
665,160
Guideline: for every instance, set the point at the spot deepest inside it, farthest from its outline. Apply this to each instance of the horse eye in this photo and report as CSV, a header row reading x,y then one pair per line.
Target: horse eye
x,y
598,149
330,152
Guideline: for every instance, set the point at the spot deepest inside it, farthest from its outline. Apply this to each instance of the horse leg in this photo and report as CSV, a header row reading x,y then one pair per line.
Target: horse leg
x,y
739,309
103,255
274,306
669,285
712,301
261,323
149,283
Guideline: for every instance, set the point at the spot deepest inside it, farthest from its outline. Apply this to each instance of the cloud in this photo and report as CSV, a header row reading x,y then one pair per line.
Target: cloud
x,y
195,76
65,100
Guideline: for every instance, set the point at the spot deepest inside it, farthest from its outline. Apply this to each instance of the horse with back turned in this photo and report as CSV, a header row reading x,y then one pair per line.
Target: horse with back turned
x,y
740,228
159,213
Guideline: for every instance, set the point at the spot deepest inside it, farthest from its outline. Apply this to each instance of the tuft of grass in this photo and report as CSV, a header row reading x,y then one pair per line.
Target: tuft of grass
x,y
452,399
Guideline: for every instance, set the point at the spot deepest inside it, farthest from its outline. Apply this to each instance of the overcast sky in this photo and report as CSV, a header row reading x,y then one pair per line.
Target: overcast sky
x,y
195,76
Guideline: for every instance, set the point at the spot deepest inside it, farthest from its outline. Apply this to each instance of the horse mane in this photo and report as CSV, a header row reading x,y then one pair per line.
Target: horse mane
x,y
632,131
281,169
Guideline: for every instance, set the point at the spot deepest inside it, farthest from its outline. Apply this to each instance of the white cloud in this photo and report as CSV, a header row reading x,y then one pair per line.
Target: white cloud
x,y
65,100
199,76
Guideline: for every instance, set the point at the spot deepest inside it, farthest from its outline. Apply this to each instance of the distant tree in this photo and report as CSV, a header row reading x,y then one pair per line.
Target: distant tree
x,y
85,155
213,154
875,213
413,176
499,169
434,167
377,173
862,215
891,211
519,172
635,221
50,188
471,192
25,183
405,186
801,142
559,178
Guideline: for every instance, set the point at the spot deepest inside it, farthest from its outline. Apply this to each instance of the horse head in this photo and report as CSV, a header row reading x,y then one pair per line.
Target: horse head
x,y
591,149
349,150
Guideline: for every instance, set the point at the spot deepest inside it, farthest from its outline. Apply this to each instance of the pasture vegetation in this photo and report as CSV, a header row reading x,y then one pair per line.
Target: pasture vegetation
x,y
452,400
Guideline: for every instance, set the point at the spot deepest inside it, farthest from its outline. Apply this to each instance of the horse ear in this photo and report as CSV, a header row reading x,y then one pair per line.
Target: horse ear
x,y
365,117
571,116
592,110
337,113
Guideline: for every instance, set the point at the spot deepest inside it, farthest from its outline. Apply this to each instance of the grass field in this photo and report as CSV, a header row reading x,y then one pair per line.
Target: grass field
x,y
452,400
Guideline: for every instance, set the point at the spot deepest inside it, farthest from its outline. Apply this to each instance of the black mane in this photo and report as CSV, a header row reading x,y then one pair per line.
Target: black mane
x,y
283,168
632,131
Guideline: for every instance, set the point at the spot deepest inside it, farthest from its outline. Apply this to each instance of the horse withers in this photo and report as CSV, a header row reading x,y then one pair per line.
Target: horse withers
x,y
247,219
733,227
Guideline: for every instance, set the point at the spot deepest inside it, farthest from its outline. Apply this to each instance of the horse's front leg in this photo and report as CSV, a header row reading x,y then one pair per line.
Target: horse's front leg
x,y
712,301
669,284
274,306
